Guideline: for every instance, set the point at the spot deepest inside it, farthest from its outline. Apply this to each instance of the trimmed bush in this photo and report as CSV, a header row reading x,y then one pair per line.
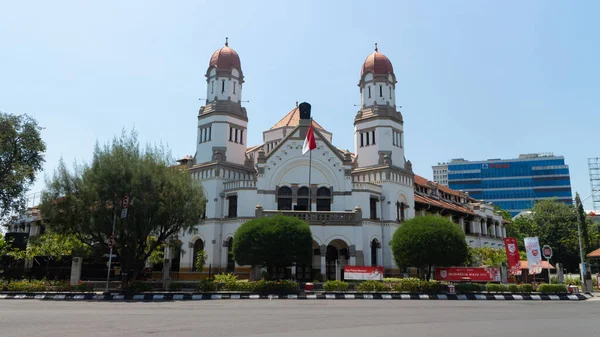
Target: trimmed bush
x,y
526,288
392,280
139,286
224,278
375,286
468,288
335,286
572,281
496,288
175,286
26,286
275,287
513,288
433,287
552,288
411,284
206,286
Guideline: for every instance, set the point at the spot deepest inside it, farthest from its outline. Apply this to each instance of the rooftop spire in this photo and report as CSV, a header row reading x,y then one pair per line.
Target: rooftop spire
x,y
227,42
376,49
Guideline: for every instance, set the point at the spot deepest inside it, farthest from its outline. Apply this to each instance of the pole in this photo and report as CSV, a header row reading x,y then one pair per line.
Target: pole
x,y
581,269
309,173
111,247
549,278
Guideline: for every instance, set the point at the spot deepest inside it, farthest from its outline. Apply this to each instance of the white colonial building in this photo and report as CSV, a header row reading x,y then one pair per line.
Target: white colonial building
x,y
356,202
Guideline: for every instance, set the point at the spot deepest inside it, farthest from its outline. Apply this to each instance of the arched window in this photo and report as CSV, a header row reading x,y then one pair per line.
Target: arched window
x,y
374,247
198,247
303,202
230,259
284,199
323,199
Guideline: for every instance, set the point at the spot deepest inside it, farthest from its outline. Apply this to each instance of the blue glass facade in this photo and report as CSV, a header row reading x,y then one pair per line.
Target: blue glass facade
x,y
513,184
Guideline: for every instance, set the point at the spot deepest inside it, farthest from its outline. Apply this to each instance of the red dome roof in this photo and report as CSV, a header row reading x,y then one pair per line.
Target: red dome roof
x,y
225,58
378,64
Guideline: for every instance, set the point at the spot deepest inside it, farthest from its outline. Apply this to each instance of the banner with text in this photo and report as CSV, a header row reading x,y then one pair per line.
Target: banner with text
x,y
466,274
534,255
363,273
512,255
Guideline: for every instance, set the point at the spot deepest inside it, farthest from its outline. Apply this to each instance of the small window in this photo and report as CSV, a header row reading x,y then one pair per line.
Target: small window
x,y
236,136
380,91
223,86
323,199
284,199
241,136
369,91
390,92
374,246
302,204
231,134
362,141
232,207
373,209
373,136
212,87
367,141
209,133
234,85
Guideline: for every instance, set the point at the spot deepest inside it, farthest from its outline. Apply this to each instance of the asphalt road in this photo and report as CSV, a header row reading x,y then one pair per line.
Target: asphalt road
x,y
348,318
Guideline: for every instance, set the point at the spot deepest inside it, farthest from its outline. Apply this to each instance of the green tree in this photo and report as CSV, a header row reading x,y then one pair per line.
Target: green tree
x,y
505,214
488,256
429,240
273,242
581,218
200,260
164,201
21,157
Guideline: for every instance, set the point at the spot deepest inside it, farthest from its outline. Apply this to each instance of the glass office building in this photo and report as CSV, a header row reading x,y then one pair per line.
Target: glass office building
x,y
513,184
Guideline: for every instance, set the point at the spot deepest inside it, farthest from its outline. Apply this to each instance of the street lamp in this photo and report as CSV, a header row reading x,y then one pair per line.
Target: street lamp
x,y
582,266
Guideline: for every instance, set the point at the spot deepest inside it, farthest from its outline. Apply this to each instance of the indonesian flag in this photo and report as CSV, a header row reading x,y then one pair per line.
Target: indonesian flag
x,y
309,143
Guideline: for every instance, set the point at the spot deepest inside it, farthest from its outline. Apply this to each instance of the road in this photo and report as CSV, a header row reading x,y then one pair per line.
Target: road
x,y
330,318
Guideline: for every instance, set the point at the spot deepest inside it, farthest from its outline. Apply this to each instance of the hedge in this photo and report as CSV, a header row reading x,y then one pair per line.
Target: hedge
x,y
335,286
513,288
376,286
526,288
43,285
498,288
468,288
262,286
411,284
552,288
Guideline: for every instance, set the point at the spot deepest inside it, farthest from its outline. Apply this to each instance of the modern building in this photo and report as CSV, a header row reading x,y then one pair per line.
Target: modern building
x,y
440,173
513,184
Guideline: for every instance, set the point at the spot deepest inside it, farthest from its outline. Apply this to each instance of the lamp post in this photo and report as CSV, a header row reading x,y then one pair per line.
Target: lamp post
x,y
582,267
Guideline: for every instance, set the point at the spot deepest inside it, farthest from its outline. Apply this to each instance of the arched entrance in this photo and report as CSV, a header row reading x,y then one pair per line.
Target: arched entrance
x,y
337,250
176,255
230,259
198,247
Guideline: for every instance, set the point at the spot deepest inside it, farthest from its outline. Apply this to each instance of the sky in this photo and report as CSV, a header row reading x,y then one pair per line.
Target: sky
x,y
476,79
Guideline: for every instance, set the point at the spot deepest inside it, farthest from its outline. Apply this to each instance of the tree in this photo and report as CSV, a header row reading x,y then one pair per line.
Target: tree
x,y
505,214
273,242
21,157
581,218
429,240
488,256
164,201
200,260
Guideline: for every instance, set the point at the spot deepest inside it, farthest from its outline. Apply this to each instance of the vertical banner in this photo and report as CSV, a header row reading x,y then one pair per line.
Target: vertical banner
x,y
534,256
512,256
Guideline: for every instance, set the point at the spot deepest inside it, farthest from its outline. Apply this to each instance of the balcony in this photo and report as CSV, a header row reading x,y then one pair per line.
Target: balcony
x,y
239,185
317,218
367,187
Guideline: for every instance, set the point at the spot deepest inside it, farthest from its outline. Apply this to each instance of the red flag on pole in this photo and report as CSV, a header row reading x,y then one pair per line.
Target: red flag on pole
x,y
512,255
309,143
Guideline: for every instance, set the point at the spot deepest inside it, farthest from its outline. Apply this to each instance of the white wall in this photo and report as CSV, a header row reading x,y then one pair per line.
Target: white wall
x,y
220,126
369,155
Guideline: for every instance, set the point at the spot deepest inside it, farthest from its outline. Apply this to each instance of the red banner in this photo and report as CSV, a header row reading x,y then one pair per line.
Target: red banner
x,y
363,273
468,274
512,255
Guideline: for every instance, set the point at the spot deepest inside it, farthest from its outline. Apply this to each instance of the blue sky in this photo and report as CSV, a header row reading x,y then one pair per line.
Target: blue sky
x,y
476,79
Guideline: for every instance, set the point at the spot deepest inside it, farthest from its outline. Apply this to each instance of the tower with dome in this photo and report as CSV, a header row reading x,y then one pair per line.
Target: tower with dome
x,y
354,202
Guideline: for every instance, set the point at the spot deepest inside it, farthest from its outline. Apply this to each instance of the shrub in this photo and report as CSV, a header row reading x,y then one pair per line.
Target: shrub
x,y
513,288
392,280
552,288
175,286
411,284
276,287
318,278
572,281
497,288
376,286
26,286
595,282
468,288
526,288
224,278
335,286
433,287
139,286
206,286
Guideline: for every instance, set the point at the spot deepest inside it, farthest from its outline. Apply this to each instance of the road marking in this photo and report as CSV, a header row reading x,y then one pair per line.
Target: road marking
x,y
330,296
138,297
292,297
462,297
79,297
480,297
368,296
573,297
500,297
518,297
235,297
254,297
405,296
424,297
442,297
195,297
40,297
536,297
350,296
312,297
118,297
386,296
216,297
159,297
554,297
179,297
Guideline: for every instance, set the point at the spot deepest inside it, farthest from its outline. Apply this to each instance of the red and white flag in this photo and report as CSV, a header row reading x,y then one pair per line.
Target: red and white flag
x,y
309,143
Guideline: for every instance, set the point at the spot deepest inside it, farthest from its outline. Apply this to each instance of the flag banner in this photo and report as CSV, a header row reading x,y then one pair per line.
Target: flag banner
x,y
309,142
534,255
512,255
363,273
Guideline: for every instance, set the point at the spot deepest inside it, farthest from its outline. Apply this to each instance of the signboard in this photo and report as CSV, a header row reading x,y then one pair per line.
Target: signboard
x,y
125,202
512,255
547,251
363,273
466,274
534,255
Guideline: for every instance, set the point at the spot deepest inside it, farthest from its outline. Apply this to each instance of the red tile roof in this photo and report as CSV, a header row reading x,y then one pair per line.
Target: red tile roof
x,y
441,203
292,119
595,254
525,265
378,64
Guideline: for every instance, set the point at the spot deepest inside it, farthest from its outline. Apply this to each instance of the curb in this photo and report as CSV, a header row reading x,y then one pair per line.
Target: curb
x,y
337,296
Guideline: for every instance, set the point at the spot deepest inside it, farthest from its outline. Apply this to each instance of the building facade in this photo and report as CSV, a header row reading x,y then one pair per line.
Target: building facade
x,y
440,173
354,202
513,184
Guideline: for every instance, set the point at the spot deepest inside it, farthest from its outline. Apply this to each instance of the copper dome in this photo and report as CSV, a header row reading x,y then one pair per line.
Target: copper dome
x,y
225,59
378,64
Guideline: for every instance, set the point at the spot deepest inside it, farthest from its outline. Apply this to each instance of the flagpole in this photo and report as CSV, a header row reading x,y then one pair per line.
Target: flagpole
x,y
309,172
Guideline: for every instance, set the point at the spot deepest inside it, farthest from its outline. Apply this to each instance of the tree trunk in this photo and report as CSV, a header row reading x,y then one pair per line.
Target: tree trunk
x,y
428,273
